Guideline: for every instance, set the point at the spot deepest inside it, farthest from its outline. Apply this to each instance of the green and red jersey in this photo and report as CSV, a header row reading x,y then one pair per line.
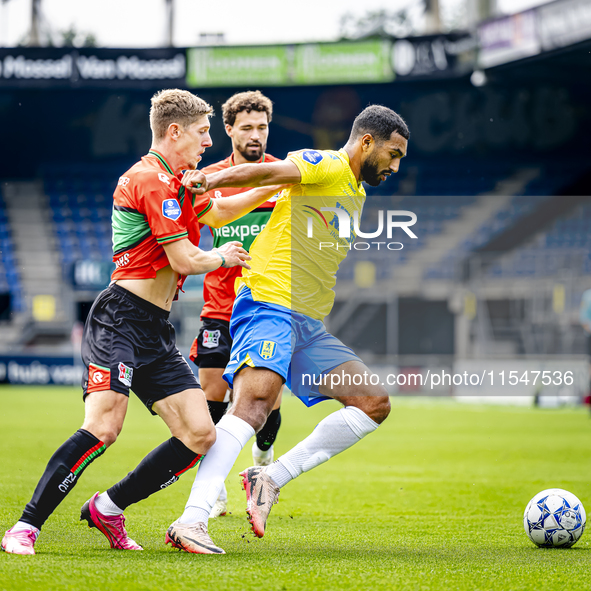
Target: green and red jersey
x,y
150,209
218,286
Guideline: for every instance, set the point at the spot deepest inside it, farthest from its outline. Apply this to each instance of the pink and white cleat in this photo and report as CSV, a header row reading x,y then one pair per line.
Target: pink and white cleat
x,y
20,542
261,494
191,537
112,526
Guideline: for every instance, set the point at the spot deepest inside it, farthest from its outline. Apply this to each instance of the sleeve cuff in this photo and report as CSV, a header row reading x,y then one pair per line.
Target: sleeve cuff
x,y
300,166
172,238
205,209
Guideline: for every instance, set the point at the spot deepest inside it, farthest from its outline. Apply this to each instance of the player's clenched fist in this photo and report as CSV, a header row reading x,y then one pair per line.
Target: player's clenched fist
x,y
195,181
234,255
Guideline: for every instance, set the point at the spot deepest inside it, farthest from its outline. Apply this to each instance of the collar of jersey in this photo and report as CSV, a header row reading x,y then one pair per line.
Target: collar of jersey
x,y
259,162
162,161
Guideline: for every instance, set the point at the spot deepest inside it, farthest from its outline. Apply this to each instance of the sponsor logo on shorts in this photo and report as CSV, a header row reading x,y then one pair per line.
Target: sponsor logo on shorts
x,y
312,156
171,209
125,374
99,378
267,349
211,338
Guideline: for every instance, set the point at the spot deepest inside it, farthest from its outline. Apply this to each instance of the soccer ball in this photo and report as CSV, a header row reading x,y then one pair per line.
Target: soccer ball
x,y
554,518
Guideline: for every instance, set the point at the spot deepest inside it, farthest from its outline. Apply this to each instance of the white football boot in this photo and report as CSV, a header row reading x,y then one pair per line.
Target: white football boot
x,y
261,458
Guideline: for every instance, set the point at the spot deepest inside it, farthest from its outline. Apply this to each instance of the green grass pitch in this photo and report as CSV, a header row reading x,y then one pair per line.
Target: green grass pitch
x,y
433,500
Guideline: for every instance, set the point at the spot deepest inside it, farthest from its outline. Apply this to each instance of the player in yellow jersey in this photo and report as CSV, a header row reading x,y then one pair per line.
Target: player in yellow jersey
x,y
276,324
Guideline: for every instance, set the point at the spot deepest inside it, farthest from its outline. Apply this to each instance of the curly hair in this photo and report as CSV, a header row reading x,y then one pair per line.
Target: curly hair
x,y
252,100
175,106
380,122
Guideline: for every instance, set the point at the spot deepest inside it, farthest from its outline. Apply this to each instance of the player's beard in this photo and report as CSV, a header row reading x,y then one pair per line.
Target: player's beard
x,y
252,155
370,173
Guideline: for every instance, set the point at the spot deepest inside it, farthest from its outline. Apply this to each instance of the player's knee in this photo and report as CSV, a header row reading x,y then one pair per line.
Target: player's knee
x,y
199,440
381,410
105,428
259,422
377,408
254,409
256,416
208,438
106,433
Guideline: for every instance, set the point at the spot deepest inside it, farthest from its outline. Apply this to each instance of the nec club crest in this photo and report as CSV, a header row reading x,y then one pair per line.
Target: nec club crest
x,y
211,338
125,374
171,209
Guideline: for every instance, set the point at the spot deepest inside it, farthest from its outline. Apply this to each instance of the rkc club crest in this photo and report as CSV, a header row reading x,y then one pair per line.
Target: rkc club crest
x,y
267,349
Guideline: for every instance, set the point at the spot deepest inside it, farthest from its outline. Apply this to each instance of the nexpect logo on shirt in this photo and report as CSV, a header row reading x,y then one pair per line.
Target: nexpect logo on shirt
x,y
239,232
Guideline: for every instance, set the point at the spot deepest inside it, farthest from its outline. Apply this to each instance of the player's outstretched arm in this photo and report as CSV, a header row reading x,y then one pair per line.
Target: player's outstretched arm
x,y
282,172
228,209
186,259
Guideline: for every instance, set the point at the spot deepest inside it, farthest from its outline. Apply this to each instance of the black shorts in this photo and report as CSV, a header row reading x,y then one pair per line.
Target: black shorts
x,y
214,344
129,343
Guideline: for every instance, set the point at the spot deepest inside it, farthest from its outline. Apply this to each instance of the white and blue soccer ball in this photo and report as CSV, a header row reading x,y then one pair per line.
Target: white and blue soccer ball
x,y
554,518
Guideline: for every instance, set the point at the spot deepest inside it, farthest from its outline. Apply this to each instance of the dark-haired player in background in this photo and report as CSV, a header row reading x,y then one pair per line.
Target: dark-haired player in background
x,y
246,117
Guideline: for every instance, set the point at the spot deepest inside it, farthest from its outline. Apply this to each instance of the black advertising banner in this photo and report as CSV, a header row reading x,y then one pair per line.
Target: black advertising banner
x,y
91,68
434,56
39,370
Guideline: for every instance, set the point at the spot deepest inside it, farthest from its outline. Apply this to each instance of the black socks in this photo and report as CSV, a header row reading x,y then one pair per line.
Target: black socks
x,y
159,469
267,435
216,410
61,475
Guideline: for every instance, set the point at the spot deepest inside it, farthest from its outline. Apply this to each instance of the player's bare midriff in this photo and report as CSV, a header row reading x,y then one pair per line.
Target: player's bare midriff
x,y
159,291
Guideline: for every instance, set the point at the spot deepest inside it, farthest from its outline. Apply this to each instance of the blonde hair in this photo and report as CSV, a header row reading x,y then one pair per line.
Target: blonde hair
x,y
175,106
252,100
